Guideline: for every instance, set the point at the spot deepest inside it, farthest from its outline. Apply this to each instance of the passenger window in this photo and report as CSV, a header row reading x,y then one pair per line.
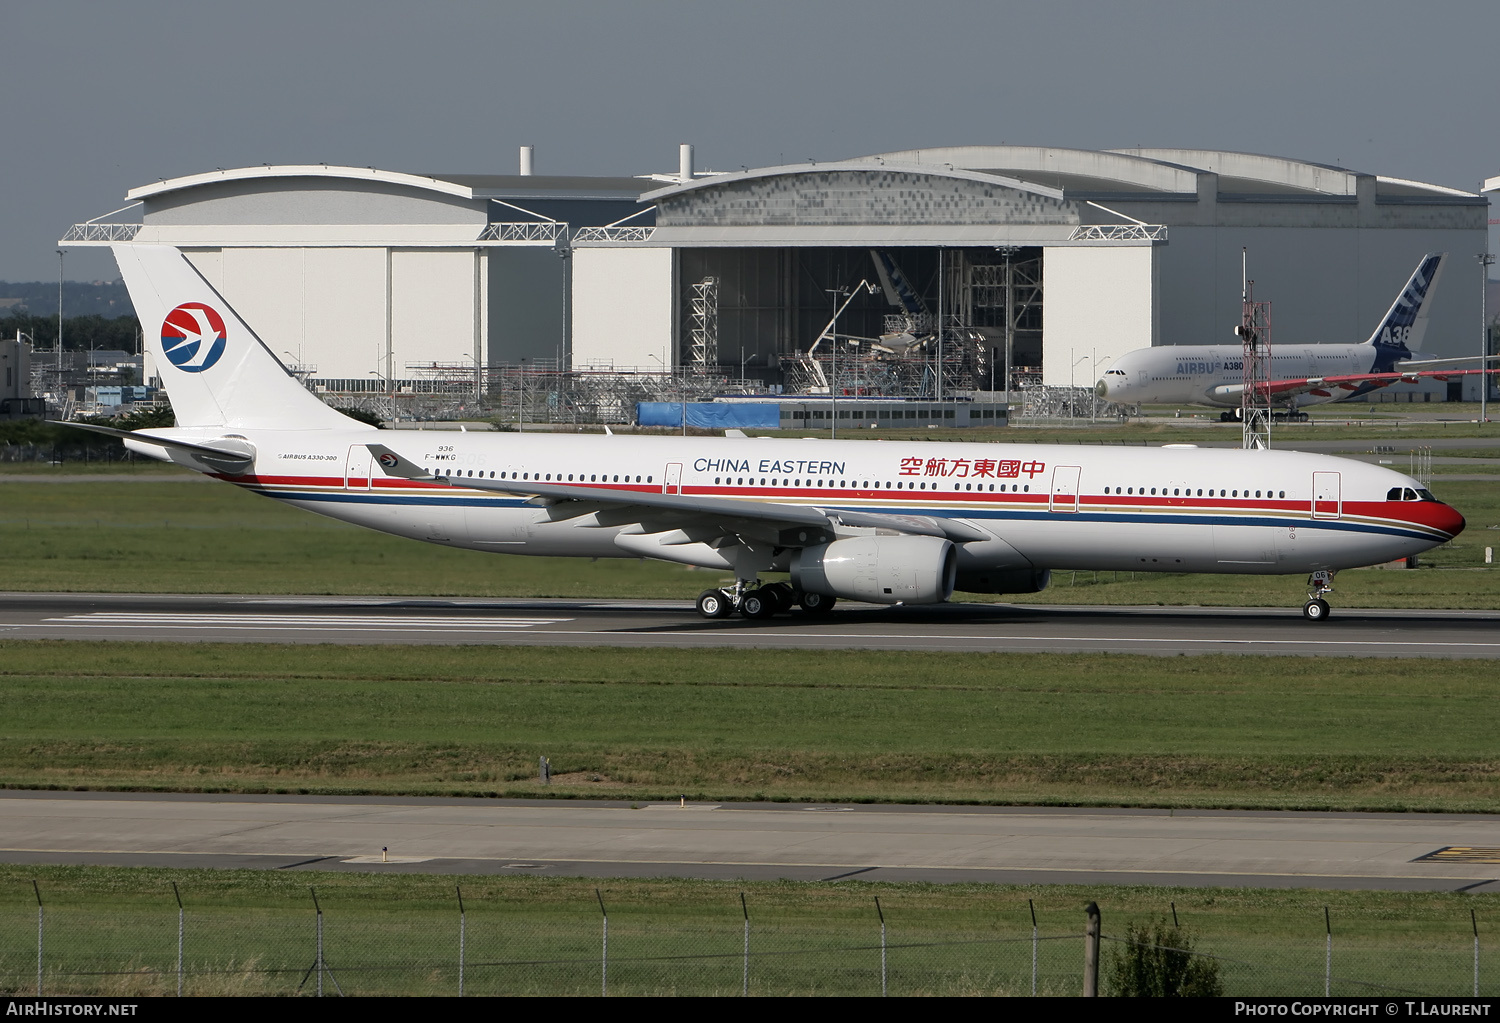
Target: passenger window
x,y
1281,493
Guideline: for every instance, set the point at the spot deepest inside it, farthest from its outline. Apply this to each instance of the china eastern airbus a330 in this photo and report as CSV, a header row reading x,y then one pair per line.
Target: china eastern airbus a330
x,y
885,522
1213,375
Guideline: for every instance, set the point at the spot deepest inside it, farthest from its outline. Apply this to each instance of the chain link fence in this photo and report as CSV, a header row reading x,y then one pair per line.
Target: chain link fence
x,y
338,943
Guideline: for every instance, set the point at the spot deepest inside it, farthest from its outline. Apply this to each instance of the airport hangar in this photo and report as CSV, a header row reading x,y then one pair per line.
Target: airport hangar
x,y
371,278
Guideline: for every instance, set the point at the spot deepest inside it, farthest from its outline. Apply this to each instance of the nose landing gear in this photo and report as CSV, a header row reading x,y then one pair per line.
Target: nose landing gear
x,y
1317,609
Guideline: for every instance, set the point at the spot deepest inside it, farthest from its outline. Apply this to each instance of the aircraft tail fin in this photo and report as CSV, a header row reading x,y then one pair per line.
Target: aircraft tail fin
x,y
215,369
1402,328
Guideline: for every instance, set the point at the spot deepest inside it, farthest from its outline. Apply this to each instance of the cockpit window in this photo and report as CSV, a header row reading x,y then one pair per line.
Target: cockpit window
x,y
1426,495
1408,494
1393,494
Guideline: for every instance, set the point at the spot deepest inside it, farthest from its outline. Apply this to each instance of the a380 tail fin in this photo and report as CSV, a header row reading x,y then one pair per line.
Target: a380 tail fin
x,y
215,369
1405,323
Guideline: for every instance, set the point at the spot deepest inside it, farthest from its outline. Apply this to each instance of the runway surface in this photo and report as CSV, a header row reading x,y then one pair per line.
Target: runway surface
x,y
971,627
757,841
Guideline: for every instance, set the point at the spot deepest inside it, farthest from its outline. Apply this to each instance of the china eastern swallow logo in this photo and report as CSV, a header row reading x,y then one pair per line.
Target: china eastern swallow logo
x,y
389,460
192,335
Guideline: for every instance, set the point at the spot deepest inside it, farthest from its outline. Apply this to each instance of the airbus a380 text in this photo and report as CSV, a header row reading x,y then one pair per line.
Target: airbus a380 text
x,y
874,521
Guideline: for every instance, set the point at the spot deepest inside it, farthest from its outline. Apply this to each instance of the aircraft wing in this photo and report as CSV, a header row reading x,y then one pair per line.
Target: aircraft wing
x,y
793,525
1344,385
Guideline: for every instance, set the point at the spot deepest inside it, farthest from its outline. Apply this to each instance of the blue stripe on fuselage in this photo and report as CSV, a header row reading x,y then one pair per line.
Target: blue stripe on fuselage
x,y
990,513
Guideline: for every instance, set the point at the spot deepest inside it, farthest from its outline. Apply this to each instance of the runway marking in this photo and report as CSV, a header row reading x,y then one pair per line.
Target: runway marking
x,y
1462,854
299,622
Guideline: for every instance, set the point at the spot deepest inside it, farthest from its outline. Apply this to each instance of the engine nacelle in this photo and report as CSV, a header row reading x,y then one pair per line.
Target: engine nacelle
x,y
879,569
1006,580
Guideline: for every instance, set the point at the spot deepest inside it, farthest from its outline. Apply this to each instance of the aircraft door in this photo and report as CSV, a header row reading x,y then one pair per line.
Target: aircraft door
x,y
1327,496
672,482
1065,488
357,468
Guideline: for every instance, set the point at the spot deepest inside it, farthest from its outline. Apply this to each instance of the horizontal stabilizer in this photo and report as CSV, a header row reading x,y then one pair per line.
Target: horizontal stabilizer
x,y
233,460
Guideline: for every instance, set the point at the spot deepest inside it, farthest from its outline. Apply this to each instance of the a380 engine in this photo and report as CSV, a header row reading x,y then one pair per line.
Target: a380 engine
x,y
879,569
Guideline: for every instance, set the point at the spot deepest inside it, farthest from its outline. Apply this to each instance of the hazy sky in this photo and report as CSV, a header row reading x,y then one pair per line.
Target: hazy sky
x,y
100,97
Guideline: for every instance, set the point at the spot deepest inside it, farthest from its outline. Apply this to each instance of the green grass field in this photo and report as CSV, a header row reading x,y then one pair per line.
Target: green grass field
x,y
839,725
114,931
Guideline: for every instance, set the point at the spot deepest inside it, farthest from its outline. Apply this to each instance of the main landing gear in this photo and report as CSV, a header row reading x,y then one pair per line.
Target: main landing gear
x,y
761,602
1316,609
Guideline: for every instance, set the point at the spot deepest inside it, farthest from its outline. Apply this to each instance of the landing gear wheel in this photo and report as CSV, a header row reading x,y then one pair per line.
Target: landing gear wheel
x,y
785,596
817,603
715,604
758,604
1316,610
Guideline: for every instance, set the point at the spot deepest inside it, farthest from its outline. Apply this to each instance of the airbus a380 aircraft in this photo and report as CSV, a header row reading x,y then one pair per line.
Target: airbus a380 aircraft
x,y
1213,375
876,521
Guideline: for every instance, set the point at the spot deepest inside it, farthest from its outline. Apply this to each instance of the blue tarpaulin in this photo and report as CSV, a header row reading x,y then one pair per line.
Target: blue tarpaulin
x,y
711,415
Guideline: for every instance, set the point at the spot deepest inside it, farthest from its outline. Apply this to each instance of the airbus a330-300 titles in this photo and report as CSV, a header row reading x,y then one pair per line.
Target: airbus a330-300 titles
x,y
1214,375
884,522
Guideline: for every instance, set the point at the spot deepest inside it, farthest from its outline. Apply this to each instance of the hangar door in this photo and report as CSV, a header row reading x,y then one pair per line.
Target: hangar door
x,y
622,308
323,307
435,309
1101,303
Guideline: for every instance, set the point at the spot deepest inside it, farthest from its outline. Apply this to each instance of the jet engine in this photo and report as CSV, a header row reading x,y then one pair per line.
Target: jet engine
x,y
879,569
1007,580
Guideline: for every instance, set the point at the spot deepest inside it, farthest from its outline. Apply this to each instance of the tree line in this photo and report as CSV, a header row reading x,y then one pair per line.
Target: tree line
x,y
80,333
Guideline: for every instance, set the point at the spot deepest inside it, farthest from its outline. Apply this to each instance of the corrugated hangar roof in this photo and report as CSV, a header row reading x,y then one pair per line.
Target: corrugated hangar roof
x,y
947,170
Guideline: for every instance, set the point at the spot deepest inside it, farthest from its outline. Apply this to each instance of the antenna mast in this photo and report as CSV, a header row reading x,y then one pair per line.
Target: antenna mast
x,y
1255,337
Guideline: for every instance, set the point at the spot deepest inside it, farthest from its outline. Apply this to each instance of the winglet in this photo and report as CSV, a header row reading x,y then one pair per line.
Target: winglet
x,y
394,465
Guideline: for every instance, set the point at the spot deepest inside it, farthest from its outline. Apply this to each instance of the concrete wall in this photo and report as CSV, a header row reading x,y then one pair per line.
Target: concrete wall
x,y
1100,303
15,369
622,308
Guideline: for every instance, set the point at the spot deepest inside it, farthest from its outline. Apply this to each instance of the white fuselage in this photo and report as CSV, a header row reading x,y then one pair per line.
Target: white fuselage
x,y
1040,506
1193,374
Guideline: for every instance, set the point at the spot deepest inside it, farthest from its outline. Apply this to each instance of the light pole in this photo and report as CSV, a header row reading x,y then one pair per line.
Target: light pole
x,y
833,340
59,317
833,381
1486,260
475,361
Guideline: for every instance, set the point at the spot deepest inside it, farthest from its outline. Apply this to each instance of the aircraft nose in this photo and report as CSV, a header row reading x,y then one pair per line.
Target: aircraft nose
x,y
1449,520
